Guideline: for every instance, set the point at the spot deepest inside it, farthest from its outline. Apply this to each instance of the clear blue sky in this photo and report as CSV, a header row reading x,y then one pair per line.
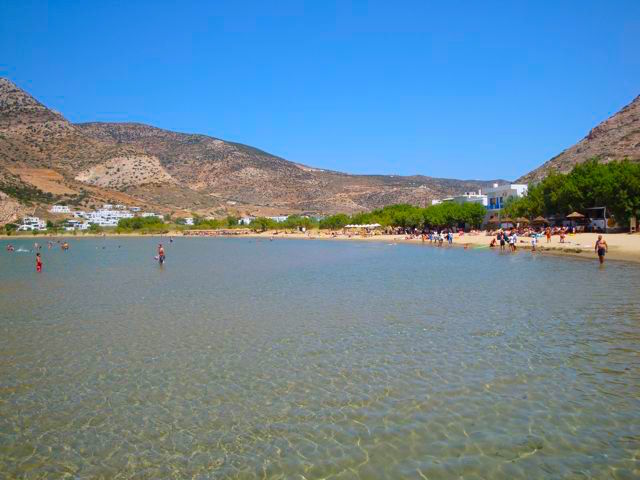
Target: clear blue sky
x,y
455,89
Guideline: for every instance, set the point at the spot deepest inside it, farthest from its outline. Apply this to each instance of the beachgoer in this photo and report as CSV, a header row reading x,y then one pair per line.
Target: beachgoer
x,y
161,256
534,242
38,262
502,238
513,239
548,233
601,248
493,243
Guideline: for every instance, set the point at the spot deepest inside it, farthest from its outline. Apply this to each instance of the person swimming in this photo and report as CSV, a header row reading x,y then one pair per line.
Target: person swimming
x,y
38,262
161,255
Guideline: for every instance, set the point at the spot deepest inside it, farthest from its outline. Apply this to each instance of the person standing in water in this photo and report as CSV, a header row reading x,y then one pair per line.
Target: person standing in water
x,y
502,238
160,254
38,262
601,248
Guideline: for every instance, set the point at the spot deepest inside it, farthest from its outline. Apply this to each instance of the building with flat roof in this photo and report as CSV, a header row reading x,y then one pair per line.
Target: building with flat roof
x,y
32,223
60,209
498,195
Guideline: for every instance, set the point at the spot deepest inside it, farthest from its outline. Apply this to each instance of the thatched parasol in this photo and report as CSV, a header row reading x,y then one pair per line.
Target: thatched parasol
x,y
522,220
506,220
575,216
540,220
494,220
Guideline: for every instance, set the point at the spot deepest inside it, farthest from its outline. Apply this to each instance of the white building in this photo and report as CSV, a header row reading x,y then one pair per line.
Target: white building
x,y
151,214
188,221
135,209
246,220
279,218
60,209
32,223
72,225
466,197
107,206
499,194
107,218
472,197
80,214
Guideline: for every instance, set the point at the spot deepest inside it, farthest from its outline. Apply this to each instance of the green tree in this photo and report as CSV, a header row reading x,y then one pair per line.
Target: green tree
x,y
335,222
10,228
261,224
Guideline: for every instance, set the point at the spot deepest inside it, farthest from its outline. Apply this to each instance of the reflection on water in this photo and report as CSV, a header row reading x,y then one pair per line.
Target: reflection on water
x,y
294,359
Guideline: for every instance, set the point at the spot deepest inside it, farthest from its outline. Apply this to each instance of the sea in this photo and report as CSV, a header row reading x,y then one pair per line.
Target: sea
x,y
299,359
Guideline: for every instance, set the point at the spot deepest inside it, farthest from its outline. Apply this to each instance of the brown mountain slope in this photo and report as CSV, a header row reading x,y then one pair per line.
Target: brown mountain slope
x,y
186,171
616,138
233,172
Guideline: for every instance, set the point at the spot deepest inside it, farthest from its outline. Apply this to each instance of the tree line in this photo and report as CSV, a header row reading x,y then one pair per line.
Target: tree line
x,y
447,214
615,185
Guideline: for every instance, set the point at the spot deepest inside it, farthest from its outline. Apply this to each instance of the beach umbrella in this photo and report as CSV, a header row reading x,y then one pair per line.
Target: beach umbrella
x,y
494,220
575,216
540,220
506,220
522,220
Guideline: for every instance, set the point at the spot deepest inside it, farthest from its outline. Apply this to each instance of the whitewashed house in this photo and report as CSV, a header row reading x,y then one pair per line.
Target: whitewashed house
x,y
72,225
246,220
32,223
471,197
188,221
107,217
59,209
498,195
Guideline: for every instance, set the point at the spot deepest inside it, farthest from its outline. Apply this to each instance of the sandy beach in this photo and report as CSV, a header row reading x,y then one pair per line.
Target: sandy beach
x,y
622,246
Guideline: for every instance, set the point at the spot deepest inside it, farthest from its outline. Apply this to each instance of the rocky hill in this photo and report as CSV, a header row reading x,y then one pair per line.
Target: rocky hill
x,y
616,138
141,164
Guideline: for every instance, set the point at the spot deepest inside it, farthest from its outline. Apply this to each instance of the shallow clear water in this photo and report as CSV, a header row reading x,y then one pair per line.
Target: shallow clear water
x,y
300,359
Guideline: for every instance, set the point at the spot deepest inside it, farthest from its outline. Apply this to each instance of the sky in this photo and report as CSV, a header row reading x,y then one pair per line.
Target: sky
x,y
458,89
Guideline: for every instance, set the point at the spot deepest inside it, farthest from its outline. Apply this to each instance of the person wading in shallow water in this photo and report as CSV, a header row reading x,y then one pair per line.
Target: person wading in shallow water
x,y
601,248
38,263
160,254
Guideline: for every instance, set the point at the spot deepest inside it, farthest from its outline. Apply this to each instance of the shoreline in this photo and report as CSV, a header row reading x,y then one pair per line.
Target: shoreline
x,y
623,247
